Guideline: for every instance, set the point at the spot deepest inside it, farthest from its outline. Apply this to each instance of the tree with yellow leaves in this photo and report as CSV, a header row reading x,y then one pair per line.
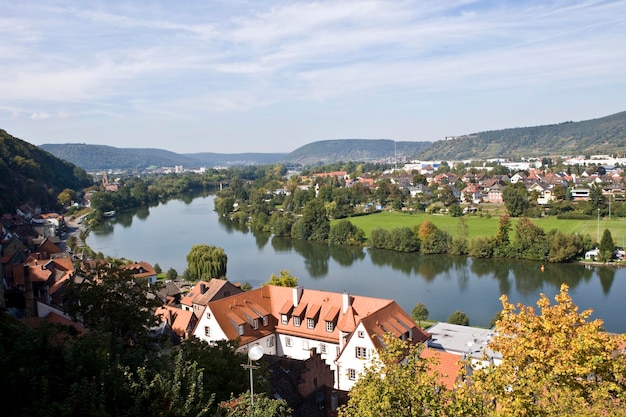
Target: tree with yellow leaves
x,y
555,363
399,383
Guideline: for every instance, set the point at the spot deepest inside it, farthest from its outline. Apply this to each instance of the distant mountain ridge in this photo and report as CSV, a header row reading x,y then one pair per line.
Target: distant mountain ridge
x,y
605,135
330,151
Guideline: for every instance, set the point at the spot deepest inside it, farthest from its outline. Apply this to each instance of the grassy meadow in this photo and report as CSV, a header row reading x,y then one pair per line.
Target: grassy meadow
x,y
488,225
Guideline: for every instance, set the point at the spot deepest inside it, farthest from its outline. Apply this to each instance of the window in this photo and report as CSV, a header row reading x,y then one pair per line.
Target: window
x,y
265,321
338,350
330,326
208,315
323,347
352,374
361,334
305,345
207,331
361,352
296,321
255,324
288,341
310,323
284,319
240,330
270,342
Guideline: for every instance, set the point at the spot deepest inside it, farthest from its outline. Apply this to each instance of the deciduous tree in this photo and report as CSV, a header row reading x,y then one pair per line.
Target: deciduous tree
x,y
555,362
398,383
206,262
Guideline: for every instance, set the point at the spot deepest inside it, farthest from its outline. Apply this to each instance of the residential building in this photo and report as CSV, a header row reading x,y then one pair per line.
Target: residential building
x,y
346,330
204,292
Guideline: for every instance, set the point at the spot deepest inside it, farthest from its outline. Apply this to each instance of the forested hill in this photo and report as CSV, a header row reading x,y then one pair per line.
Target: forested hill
x,y
606,135
329,151
100,157
29,174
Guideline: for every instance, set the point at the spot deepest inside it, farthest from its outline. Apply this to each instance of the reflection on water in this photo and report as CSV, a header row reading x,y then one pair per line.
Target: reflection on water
x,y
165,234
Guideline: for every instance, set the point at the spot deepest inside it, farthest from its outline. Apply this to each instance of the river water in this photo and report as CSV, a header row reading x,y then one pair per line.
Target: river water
x,y
164,234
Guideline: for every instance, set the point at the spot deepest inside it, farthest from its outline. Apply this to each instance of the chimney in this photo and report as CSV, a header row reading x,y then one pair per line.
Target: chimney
x,y
297,295
346,302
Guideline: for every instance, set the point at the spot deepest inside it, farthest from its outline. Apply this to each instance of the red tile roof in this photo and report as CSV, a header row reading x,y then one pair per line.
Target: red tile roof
x,y
447,366
378,315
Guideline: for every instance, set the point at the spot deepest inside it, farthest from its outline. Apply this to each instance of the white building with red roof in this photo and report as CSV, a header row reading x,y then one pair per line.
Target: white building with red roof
x,y
346,330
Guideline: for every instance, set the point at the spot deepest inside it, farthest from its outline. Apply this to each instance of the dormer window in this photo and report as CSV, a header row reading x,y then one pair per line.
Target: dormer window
x,y
255,324
310,323
265,321
284,319
296,321
240,330
330,326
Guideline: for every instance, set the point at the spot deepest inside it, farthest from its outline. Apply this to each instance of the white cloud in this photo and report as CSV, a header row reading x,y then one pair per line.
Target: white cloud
x,y
193,59
40,116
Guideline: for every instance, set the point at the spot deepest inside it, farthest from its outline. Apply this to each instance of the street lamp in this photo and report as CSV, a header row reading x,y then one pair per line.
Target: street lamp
x,y
254,354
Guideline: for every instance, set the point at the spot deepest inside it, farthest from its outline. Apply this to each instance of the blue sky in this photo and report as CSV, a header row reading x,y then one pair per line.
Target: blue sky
x,y
270,76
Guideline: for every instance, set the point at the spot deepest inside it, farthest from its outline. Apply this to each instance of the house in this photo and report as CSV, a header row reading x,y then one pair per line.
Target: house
x,y
580,194
205,291
592,255
447,366
463,341
472,193
494,193
346,330
142,270
306,385
182,322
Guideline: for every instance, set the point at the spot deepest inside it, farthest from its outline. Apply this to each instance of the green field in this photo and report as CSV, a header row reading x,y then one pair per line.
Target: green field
x,y
487,226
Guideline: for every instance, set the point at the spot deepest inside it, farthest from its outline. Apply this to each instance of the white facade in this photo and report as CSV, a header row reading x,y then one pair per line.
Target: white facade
x,y
355,358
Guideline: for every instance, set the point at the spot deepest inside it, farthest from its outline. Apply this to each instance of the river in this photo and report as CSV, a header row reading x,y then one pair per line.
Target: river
x,y
164,234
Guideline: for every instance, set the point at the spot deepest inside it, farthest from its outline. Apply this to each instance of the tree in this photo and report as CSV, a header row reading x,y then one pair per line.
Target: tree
x,y
433,240
284,280
241,406
314,224
157,268
446,195
402,239
455,210
458,317
502,242
554,362
400,382
109,300
607,246
515,199
66,197
171,274
345,233
419,313
206,262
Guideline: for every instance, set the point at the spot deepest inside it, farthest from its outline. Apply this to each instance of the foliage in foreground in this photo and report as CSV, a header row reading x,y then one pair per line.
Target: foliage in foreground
x,y
555,362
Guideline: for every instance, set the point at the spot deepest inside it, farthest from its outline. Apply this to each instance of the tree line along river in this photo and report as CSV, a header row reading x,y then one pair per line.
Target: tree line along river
x,y
164,234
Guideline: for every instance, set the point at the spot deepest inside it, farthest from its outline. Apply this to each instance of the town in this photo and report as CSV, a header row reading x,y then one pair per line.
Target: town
x,y
315,344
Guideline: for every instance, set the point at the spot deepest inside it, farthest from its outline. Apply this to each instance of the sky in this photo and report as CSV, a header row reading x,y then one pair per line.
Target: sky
x,y
233,76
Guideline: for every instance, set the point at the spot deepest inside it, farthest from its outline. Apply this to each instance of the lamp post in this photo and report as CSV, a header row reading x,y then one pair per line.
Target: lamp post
x,y
254,354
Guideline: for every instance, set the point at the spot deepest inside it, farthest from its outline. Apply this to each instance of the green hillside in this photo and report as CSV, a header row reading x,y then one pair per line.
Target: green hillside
x,y
329,151
29,174
606,135
100,157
